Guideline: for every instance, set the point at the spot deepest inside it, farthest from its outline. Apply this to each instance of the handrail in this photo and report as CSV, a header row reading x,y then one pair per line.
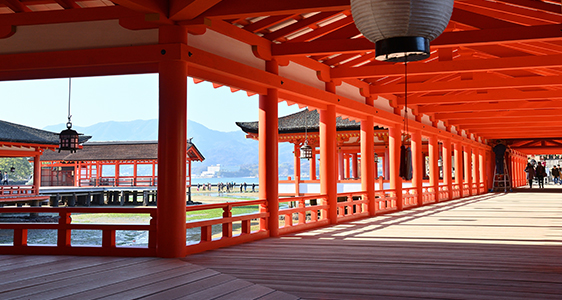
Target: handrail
x,y
65,226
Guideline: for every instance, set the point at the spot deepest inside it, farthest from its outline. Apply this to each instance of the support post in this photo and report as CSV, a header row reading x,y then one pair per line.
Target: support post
x,y
36,173
417,165
355,165
312,165
172,137
347,173
447,170
477,170
368,161
434,165
297,152
468,168
395,135
328,157
268,153
458,168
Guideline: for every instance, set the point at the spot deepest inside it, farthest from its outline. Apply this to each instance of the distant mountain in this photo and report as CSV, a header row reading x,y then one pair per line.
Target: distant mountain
x,y
225,148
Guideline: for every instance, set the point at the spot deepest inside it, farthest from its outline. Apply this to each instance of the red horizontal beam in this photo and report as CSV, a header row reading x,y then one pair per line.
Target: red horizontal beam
x,y
68,15
234,9
499,106
454,66
482,96
447,39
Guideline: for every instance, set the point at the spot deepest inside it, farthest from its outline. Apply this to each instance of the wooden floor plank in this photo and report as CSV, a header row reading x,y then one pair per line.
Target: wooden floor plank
x,y
491,247
250,292
184,288
218,290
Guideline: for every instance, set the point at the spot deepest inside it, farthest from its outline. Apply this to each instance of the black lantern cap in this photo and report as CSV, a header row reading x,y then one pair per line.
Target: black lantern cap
x,y
400,49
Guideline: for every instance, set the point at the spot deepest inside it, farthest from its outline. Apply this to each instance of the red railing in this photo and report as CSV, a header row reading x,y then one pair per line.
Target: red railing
x,y
465,189
355,206
64,231
15,190
444,193
385,201
456,191
410,197
428,195
225,235
304,215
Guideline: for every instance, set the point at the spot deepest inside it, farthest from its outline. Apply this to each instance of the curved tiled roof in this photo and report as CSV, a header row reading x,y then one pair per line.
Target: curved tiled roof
x,y
121,150
301,121
16,133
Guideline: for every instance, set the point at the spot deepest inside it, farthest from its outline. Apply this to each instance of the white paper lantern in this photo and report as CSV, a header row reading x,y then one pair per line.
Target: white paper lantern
x,y
401,28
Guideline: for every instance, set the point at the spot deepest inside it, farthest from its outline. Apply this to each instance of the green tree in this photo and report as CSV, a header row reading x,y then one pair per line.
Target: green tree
x,y
22,168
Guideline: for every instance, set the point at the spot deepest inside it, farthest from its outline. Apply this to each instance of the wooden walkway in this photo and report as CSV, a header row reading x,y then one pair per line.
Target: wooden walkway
x,y
486,247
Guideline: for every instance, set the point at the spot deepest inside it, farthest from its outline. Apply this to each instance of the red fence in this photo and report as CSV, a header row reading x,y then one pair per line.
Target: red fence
x,y
228,228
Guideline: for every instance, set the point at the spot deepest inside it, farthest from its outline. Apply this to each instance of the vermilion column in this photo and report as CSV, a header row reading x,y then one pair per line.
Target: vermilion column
x,y
458,167
172,147
297,174
394,137
328,158
468,168
434,165
386,163
355,165
312,165
447,176
477,170
483,168
347,173
268,155
367,160
417,165
37,173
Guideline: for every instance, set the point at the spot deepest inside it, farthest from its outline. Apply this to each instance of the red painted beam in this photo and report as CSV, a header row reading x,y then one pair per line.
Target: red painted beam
x,y
234,9
482,96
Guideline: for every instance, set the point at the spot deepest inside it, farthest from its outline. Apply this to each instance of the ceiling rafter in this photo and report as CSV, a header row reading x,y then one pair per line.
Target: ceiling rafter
x,y
301,24
257,8
499,106
189,9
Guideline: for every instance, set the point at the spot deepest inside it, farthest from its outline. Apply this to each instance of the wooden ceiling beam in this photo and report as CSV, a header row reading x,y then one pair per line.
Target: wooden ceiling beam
x,y
233,9
448,39
485,83
483,96
147,6
301,24
505,120
499,106
189,9
553,112
452,66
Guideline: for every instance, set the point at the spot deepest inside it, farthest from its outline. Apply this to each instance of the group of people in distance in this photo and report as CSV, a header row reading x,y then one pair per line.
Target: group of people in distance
x,y
539,172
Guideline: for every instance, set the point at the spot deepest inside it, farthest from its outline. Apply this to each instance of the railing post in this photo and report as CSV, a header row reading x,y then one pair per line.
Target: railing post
x,y
64,234
368,169
447,176
468,168
458,168
227,227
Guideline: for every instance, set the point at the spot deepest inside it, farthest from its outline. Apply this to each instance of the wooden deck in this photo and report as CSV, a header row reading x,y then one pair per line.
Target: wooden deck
x,y
487,247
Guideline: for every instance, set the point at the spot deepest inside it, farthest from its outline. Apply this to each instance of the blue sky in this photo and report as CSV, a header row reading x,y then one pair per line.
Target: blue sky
x,y
40,103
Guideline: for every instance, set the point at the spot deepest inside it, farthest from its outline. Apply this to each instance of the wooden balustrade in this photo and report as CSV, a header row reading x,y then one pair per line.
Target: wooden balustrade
x,y
309,212
210,239
14,190
466,189
65,226
444,193
409,197
355,206
385,201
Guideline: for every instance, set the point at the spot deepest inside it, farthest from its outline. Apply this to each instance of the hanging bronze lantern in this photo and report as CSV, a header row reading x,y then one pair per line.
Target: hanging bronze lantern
x,y
306,151
401,29
68,138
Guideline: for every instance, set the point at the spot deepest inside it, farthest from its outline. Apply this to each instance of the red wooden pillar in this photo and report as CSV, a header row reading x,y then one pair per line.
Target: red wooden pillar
x,y
346,166
458,167
386,163
395,135
434,165
417,165
172,137
268,153
477,177
340,164
135,164
312,165
328,157
468,168
36,173
297,152
368,159
116,177
447,175
355,165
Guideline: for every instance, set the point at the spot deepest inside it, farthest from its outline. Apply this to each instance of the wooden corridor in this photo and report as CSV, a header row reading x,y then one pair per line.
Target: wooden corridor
x,y
494,246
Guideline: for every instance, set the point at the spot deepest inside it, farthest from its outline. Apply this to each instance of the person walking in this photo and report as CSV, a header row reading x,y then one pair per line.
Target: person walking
x,y
530,174
540,172
555,174
5,179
